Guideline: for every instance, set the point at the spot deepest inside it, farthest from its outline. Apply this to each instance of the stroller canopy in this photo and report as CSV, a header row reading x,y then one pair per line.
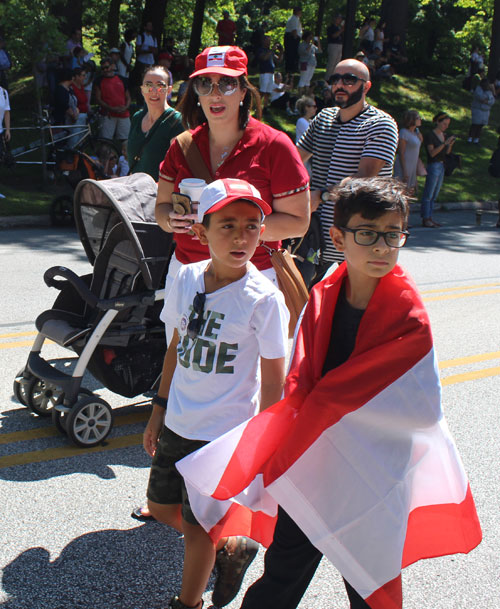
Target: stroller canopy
x,y
100,205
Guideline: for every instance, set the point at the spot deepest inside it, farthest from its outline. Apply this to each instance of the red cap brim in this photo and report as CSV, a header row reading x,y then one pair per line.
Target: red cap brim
x,y
218,70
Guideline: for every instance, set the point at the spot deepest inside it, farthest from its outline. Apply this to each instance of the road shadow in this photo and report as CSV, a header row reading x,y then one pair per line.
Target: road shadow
x,y
139,568
460,237
42,238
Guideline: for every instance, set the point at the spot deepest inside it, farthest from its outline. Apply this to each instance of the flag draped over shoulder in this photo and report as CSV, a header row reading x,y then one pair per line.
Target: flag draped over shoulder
x,y
361,458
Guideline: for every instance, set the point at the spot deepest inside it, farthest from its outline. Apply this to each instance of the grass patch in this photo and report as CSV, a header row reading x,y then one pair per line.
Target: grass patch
x,y
25,195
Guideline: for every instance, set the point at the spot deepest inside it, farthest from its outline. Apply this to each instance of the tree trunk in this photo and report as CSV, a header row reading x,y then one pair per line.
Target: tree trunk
x,y
195,40
395,15
494,59
350,28
70,14
154,11
113,30
321,15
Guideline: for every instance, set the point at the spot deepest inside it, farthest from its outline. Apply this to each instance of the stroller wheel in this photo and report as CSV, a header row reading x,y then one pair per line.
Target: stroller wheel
x,y
89,422
19,387
60,418
61,211
40,397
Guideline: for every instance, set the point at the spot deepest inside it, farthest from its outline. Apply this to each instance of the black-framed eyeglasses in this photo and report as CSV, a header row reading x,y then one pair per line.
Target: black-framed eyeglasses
x,y
348,79
204,85
195,325
367,236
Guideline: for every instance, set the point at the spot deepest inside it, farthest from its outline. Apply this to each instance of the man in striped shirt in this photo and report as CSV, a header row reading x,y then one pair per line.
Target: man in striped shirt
x,y
354,139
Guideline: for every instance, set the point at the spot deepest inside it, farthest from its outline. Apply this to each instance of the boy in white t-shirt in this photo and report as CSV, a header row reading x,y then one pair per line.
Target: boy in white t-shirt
x,y
226,361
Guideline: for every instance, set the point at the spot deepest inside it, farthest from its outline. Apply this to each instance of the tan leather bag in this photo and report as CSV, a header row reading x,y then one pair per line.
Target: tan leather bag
x,y
290,282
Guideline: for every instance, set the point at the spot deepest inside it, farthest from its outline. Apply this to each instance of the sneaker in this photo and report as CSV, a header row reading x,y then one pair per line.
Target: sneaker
x,y
289,112
175,603
475,140
231,567
469,140
296,112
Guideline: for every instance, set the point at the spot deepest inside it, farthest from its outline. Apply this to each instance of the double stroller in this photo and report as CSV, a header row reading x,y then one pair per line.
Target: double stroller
x,y
109,318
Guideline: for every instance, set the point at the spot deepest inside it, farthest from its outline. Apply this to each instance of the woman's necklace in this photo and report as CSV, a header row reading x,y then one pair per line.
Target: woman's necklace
x,y
223,155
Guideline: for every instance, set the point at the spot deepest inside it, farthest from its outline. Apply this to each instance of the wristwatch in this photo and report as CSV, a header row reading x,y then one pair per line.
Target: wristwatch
x,y
161,402
325,195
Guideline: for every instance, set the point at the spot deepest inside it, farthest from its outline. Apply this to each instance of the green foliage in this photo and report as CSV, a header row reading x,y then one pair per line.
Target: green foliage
x,y
37,31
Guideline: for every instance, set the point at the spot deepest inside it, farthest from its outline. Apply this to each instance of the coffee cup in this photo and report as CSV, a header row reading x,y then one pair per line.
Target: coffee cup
x,y
192,187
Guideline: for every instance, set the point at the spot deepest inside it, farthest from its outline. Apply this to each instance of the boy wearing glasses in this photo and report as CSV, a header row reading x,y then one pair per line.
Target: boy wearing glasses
x,y
357,455
226,362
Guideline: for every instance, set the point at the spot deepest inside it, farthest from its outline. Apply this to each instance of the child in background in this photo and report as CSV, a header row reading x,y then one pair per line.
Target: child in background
x,y
226,361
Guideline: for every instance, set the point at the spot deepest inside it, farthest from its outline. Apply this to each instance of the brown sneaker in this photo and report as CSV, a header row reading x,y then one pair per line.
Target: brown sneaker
x,y
231,563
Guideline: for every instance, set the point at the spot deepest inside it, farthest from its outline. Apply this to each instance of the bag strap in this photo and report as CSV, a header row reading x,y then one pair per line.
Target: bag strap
x,y
155,126
193,157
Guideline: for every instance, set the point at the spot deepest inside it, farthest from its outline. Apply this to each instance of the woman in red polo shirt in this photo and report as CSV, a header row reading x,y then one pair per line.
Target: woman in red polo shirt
x,y
216,106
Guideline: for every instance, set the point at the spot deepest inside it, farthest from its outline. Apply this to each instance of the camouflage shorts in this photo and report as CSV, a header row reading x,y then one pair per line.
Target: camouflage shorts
x,y
166,485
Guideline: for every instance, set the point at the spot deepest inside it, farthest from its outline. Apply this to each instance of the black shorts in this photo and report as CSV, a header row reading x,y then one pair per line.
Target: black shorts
x,y
166,485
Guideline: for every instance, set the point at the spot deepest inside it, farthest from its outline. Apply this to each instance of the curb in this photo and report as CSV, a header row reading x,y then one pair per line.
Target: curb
x,y
44,220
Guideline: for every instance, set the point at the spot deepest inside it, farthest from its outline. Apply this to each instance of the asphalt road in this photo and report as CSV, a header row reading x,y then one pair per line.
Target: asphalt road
x,y
67,540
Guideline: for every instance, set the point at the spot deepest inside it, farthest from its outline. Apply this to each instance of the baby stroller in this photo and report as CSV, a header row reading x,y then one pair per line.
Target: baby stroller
x,y
76,166
109,318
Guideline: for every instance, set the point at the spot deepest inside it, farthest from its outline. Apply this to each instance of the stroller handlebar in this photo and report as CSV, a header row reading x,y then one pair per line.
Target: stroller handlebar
x,y
80,286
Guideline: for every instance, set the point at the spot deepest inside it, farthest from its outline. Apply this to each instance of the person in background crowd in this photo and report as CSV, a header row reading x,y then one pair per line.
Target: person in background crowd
x,y
113,97
65,105
146,47
306,107
335,39
4,114
152,128
165,60
407,157
476,61
308,48
226,30
78,89
367,38
114,55
437,145
5,64
354,139
293,34
380,39
124,64
267,57
395,54
483,99
280,96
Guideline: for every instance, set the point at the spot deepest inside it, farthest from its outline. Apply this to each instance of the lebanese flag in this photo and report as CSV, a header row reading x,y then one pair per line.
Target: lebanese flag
x,y
361,458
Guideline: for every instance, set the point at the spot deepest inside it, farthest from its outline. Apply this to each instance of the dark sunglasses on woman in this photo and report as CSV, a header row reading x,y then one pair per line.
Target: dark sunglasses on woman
x,y
204,85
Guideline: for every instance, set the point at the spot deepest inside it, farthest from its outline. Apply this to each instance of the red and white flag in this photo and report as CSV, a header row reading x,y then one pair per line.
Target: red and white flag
x,y
361,458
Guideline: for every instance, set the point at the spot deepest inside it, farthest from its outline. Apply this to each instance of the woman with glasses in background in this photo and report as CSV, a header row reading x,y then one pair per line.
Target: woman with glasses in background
x,y
153,127
232,144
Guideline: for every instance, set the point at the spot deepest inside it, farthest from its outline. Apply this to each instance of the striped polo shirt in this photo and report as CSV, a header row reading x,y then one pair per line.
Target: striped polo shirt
x,y
337,149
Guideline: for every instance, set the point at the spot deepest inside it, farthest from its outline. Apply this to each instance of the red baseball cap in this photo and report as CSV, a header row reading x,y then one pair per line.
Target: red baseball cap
x,y
228,61
165,55
220,193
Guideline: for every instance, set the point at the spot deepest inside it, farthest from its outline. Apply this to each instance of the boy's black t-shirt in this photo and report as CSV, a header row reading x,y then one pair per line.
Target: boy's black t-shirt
x,y
346,320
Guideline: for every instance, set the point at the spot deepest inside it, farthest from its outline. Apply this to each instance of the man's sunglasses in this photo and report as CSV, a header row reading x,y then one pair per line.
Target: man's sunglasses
x,y
195,325
204,86
347,79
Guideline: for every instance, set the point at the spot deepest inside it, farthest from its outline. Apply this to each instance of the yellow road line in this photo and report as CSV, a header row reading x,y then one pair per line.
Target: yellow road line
x,y
464,295
470,376
62,452
462,287
22,343
16,334
51,431
470,359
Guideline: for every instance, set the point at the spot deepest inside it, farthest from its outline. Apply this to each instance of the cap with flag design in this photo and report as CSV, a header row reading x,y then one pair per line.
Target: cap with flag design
x,y
220,193
228,61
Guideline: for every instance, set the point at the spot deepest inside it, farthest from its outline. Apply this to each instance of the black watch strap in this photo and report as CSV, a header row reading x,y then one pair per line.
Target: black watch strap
x,y
161,402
